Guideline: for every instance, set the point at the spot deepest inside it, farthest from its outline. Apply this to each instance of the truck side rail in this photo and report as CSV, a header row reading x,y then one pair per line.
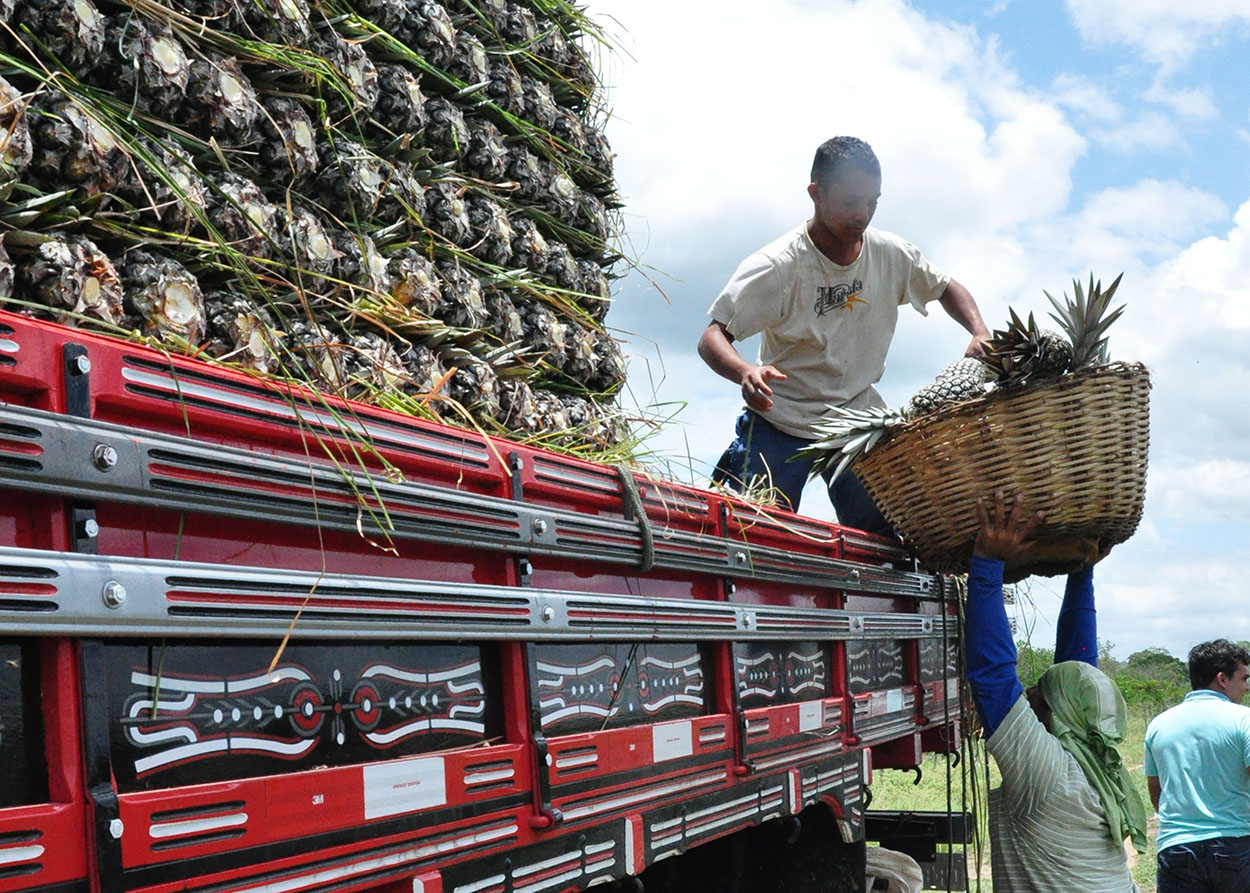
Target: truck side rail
x,y
87,459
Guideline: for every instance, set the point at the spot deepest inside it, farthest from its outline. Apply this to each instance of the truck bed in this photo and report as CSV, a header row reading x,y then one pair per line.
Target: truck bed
x,y
258,639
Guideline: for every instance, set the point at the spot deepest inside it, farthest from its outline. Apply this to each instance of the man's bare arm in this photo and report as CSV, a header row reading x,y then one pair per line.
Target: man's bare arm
x,y
960,306
1152,785
717,350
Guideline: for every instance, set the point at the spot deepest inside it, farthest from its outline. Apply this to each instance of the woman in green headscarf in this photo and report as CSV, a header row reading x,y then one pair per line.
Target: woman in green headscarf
x,y
1059,820
1088,716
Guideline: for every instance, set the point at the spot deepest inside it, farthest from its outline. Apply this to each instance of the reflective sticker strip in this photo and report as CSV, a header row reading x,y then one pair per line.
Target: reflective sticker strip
x,y
160,830
811,715
672,740
428,882
11,855
402,786
634,862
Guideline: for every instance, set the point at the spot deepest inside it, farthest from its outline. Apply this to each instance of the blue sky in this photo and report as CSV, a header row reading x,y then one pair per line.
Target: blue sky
x,y
1022,144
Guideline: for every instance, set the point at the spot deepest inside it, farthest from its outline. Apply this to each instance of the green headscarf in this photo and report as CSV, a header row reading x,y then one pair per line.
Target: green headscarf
x,y
1089,718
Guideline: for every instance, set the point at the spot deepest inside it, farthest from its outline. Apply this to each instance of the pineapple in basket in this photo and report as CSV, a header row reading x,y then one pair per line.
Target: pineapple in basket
x,y
1017,356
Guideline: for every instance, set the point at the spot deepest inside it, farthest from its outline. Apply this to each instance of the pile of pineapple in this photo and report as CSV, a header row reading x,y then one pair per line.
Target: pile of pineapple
x,y
398,201
1015,357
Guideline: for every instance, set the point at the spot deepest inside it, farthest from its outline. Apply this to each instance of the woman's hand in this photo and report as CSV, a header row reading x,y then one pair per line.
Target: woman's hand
x,y
1007,532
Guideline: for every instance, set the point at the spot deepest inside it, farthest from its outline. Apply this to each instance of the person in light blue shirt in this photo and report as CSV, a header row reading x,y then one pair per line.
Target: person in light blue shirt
x,y
1198,774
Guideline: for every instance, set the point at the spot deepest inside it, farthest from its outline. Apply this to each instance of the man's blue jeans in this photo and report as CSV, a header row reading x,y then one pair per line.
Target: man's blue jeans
x,y
1218,865
760,451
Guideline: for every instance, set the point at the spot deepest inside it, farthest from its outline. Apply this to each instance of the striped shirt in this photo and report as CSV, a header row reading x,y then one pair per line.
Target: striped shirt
x,y
1048,831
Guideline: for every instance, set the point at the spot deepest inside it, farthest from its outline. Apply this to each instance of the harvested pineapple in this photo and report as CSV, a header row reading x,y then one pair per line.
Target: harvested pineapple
x,y
361,195
1060,425
1016,356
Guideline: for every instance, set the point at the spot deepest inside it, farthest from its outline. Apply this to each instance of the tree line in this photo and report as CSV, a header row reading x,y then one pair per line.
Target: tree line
x,y
1152,678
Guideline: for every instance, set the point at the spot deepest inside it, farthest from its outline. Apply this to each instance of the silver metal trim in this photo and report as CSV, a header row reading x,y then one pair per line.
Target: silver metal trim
x,y
62,456
59,593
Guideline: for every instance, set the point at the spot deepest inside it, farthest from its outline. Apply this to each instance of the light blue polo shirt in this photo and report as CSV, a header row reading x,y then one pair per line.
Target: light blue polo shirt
x,y
1200,750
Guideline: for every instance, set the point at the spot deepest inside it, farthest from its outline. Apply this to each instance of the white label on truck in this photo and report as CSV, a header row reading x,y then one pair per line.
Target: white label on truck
x,y
811,715
671,740
404,786
894,700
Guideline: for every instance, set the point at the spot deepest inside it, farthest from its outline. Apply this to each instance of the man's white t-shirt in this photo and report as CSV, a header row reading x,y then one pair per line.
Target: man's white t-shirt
x,y
826,326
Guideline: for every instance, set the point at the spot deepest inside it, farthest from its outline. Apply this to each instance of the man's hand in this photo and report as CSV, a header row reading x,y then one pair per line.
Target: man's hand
x,y
1005,534
978,345
755,389
717,350
959,304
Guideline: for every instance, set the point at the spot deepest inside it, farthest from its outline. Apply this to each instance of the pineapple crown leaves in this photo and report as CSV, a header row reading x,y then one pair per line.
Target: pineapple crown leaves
x,y
1085,320
1014,354
844,435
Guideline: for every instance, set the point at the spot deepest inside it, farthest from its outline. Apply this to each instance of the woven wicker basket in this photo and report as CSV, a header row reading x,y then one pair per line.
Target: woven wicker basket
x,y
1076,447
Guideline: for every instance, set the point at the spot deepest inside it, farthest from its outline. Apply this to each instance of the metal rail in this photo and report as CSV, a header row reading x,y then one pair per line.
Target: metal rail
x,y
87,459
63,593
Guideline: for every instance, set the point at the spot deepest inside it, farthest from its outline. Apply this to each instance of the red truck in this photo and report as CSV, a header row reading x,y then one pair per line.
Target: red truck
x,y
256,640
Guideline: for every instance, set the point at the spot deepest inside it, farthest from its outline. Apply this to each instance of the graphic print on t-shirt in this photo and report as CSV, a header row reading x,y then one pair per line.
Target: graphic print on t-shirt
x,y
838,297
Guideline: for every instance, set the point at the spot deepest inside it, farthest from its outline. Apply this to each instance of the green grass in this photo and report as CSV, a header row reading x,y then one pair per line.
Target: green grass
x,y
965,786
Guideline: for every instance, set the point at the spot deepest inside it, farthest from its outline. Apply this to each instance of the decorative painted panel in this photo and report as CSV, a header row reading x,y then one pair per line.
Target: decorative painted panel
x,y
931,668
771,673
584,688
872,665
192,713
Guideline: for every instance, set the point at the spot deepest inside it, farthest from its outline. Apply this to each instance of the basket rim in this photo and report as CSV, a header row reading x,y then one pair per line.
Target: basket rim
x,y
977,405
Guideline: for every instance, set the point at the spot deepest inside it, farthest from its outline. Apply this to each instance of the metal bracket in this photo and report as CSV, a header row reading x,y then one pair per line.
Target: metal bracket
x,y
163,597
918,833
77,380
547,816
84,530
515,464
105,808
740,746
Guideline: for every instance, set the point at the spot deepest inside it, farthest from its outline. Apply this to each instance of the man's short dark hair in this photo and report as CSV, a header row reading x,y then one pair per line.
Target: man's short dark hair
x,y
1209,659
841,151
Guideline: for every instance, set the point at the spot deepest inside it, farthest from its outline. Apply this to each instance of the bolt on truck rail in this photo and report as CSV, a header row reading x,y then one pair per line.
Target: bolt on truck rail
x,y
259,641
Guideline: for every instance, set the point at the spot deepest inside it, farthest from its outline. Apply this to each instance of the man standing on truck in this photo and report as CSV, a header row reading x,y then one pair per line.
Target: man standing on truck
x,y
1198,775
1066,803
824,298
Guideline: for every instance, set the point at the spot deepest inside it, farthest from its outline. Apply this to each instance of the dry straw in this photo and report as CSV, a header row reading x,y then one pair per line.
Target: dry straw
x,y
1076,447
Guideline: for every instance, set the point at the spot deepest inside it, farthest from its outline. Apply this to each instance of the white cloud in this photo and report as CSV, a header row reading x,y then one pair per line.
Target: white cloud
x,y
1193,103
1155,218
1146,598
1151,130
718,120
1211,277
720,116
1166,31
1206,491
1152,595
1083,97
1109,123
